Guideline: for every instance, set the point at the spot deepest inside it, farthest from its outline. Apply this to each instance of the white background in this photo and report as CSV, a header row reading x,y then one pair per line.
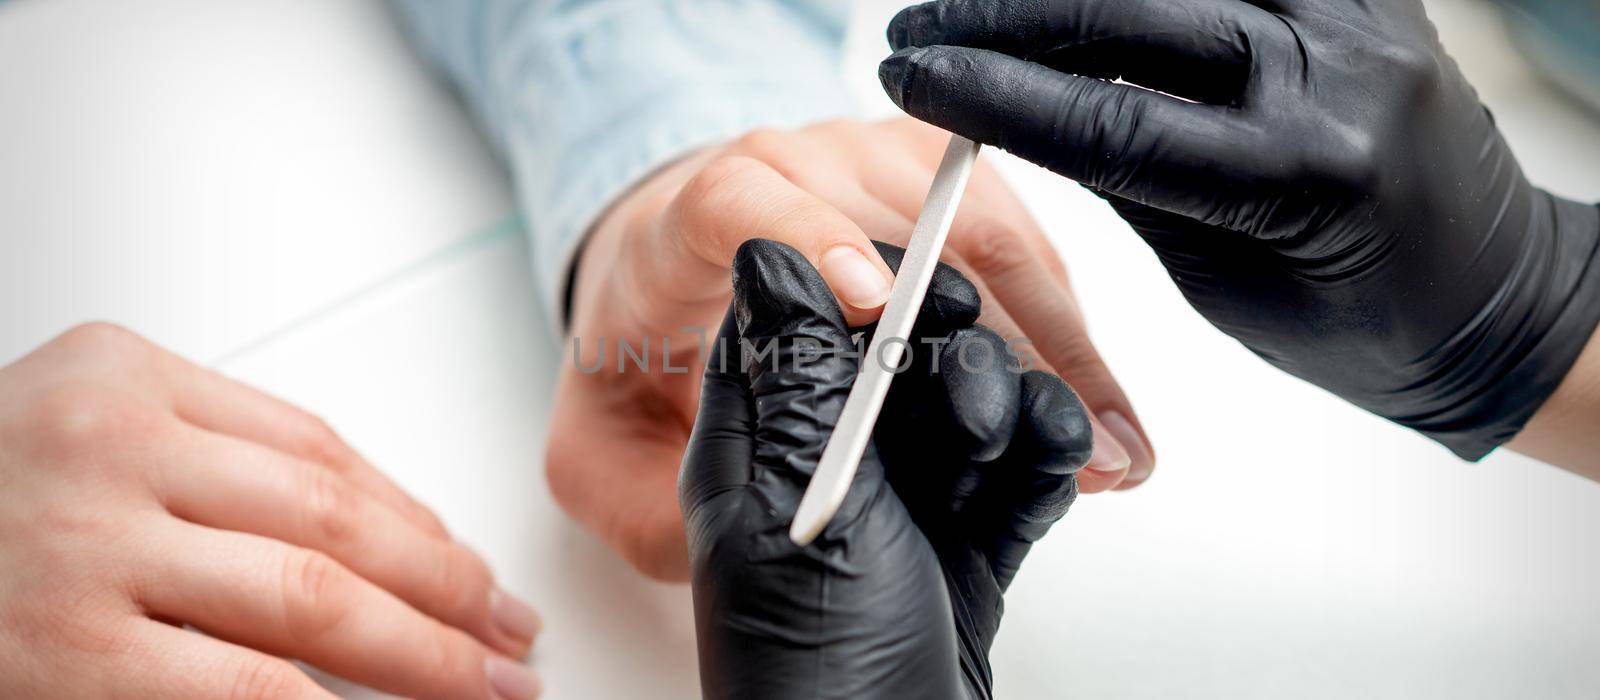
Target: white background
x,y
279,189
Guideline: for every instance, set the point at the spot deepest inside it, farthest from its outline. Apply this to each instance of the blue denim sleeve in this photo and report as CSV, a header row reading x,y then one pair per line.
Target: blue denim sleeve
x,y
583,98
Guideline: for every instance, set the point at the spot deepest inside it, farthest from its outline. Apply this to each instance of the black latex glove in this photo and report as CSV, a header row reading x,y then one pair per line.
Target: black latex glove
x,y
900,596
1332,193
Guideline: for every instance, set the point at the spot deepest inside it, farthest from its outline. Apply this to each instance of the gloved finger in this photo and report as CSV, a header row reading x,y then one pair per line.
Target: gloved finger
x,y
979,384
718,456
1049,315
1198,49
796,350
1055,338
960,400
778,298
1033,484
736,198
952,301
927,143
1143,145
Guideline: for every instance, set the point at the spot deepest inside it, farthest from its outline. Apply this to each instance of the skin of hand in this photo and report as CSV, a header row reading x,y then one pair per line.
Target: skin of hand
x,y
657,264
140,494
900,596
1318,178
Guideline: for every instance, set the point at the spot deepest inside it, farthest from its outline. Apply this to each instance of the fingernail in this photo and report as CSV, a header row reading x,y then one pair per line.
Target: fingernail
x,y
1109,455
515,618
854,278
511,680
1122,429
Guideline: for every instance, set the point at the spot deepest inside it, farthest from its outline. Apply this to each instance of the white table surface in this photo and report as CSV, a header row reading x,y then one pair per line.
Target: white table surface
x,y
277,188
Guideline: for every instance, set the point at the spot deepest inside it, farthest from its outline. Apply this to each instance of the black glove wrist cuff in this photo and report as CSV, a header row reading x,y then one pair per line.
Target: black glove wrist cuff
x,y
1529,340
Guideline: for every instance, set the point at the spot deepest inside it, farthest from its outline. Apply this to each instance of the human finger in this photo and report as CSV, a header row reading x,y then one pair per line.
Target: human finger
x,y
157,660
224,482
900,185
996,208
295,602
736,198
1110,462
207,399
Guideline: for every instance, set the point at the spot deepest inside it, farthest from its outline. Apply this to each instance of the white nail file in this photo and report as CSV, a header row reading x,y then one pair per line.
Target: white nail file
x,y
887,349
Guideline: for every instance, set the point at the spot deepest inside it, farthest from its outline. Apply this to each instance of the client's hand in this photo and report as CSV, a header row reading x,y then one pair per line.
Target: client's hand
x,y
900,596
658,265
140,494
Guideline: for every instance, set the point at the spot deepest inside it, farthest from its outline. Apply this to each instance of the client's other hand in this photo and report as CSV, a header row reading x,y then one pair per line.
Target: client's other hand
x,y
900,596
140,494
657,268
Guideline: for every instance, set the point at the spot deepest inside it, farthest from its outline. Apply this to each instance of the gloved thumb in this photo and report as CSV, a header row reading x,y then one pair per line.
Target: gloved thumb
x,y
776,379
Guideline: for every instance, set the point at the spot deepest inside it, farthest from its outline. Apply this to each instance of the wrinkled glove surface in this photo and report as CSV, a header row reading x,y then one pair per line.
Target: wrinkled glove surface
x,y
900,596
1329,191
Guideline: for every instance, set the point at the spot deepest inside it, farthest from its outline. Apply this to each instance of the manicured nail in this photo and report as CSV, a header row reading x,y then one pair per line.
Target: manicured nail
x,y
511,680
1109,455
1122,429
515,618
854,278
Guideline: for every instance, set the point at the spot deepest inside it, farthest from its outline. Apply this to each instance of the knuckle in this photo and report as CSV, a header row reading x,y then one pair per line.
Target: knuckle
x,y
99,344
1056,266
1415,68
770,145
698,215
319,442
332,510
264,679
78,415
993,248
1073,354
705,195
717,177
315,595
452,661
1352,165
463,585
99,334
844,126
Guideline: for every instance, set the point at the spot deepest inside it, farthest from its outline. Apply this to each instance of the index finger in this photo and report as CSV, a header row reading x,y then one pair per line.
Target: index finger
x,y
736,198
1200,49
1143,145
209,400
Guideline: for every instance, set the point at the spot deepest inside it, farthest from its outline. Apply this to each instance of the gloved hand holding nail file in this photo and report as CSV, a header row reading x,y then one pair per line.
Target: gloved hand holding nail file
x,y
1316,175
900,596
